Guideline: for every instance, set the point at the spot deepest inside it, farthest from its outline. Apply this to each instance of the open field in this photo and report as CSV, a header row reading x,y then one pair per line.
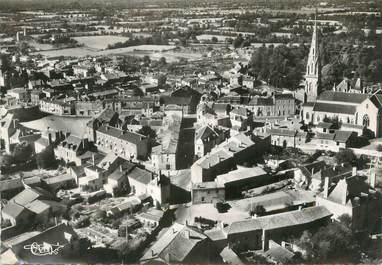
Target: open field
x,y
84,51
99,42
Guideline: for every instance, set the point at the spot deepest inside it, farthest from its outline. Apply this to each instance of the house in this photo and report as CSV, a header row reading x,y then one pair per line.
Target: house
x,y
225,156
284,137
207,192
207,138
354,197
165,155
106,117
183,102
129,145
254,234
57,107
64,181
180,244
230,257
20,94
151,218
44,210
61,236
36,96
70,149
88,108
279,254
334,141
117,181
278,105
324,127
249,81
240,118
8,127
241,179
10,187
16,214
28,195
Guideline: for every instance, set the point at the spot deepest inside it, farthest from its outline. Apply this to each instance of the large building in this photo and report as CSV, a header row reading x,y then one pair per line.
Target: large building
x,y
354,109
348,108
129,145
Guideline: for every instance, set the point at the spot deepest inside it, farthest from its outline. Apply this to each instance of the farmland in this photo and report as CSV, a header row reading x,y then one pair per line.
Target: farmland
x,y
99,42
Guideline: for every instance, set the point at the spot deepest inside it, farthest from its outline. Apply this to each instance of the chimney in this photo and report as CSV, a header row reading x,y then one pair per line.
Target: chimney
x,y
372,179
93,159
300,207
326,187
354,171
120,168
83,143
152,253
186,223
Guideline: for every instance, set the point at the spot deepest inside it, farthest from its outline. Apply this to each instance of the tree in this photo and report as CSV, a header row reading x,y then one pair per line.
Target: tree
x,y
333,242
238,41
259,210
22,152
100,214
46,159
162,61
146,59
6,160
346,156
147,131
214,39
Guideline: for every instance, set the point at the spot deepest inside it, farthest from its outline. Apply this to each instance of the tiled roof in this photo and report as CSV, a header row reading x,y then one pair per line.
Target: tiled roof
x,y
275,221
131,137
342,136
183,101
37,206
282,132
28,195
334,108
13,209
240,174
174,243
325,136
141,175
354,98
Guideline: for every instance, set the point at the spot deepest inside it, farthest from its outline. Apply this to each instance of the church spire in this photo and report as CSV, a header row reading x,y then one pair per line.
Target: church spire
x,y
312,76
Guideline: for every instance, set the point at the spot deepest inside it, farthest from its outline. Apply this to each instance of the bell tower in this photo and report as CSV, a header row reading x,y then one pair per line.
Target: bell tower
x,y
313,71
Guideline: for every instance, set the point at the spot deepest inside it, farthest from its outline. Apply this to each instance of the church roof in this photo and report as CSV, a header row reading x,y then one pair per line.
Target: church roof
x,y
334,108
335,96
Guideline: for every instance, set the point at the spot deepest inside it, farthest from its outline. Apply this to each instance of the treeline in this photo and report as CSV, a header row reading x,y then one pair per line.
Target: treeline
x,y
156,39
281,66
350,61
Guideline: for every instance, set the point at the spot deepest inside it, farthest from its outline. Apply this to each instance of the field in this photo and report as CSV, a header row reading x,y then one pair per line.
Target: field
x,y
99,42
84,51
155,52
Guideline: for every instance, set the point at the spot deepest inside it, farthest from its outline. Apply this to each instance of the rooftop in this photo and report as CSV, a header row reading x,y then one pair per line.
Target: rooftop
x,y
275,221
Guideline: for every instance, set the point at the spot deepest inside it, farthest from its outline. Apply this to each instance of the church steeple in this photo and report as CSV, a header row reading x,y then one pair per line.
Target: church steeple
x,y
312,77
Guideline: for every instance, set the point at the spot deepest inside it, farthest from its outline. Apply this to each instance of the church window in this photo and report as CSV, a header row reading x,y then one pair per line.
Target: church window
x,y
366,120
307,116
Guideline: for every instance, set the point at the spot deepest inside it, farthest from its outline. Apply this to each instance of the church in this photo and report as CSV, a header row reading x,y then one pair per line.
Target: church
x,y
351,109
